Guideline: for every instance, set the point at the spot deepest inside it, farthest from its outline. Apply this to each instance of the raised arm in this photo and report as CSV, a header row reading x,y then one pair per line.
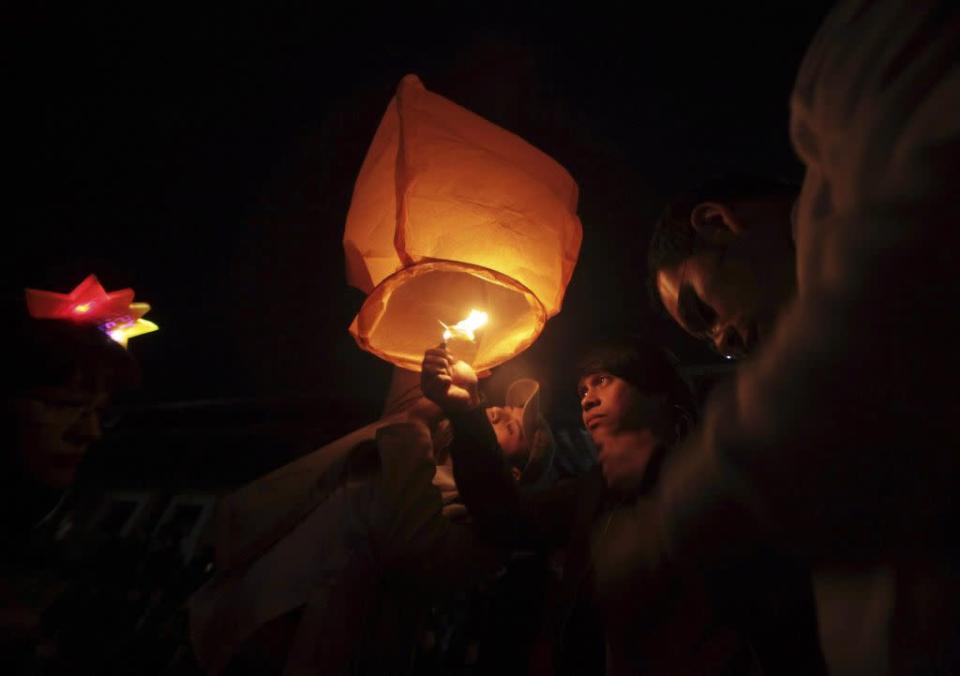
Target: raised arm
x,y
502,510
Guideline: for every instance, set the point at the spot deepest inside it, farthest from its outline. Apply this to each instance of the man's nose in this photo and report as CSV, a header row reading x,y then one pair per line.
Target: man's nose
x,y
589,401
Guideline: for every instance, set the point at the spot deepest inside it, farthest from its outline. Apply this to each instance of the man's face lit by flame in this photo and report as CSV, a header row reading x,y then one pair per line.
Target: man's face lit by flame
x,y
610,405
730,292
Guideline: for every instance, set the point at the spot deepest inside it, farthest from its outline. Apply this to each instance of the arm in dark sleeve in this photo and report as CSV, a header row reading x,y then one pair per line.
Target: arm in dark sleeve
x,y
502,510
414,541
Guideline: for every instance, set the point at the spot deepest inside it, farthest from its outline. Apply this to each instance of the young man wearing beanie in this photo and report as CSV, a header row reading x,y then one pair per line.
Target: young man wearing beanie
x,y
635,407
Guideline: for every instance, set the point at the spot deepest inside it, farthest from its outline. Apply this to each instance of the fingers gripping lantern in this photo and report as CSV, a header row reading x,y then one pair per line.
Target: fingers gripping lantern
x,y
452,214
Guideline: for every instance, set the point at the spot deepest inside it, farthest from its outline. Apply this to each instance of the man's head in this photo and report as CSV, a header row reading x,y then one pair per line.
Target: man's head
x,y
721,261
628,385
522,432
59,378
507,425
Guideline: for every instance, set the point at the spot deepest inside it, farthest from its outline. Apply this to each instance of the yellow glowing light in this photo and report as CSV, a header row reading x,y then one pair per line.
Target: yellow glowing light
x,y
122,334
466,327
113,312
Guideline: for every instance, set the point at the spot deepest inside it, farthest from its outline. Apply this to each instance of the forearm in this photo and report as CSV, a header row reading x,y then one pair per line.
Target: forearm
x,y
500,508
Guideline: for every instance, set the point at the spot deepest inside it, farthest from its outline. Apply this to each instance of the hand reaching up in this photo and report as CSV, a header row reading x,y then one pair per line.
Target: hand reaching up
x,y
451,385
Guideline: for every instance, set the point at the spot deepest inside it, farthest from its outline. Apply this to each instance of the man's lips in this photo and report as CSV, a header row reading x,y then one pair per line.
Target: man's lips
x,y
593,420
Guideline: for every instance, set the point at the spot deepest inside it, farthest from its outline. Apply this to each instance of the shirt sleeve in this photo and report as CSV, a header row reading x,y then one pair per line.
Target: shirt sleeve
x,y
501,509
414,541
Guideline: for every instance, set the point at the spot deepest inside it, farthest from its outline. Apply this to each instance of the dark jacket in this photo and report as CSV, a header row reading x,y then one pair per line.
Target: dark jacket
x,y
758,613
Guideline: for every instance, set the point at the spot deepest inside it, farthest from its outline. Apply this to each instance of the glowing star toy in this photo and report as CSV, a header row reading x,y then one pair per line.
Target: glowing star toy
x,y
112,312
130,325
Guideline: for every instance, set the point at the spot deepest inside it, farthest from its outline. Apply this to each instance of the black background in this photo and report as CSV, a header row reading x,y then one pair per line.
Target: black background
x,y
207,160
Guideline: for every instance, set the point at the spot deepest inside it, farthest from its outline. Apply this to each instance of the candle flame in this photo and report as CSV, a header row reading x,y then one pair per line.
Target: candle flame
x,y
466,327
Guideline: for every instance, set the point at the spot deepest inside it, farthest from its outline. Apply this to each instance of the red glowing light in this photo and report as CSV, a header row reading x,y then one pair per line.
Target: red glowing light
x,y
114,312
89,300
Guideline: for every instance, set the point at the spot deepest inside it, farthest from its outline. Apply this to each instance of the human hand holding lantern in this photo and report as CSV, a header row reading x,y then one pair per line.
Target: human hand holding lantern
x,y
449,383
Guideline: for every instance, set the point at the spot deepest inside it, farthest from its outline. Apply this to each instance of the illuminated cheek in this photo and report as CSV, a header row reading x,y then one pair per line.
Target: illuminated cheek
x,y
509,443
501,435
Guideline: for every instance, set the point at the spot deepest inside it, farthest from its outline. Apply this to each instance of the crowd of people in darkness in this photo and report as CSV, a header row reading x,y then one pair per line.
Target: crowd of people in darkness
x,y
801,520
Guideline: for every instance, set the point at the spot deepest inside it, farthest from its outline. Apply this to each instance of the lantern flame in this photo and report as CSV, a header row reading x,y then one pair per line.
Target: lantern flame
x,y
465,327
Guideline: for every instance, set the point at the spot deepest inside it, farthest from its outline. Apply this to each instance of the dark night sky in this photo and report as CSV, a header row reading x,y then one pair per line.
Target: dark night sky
x,y
208,161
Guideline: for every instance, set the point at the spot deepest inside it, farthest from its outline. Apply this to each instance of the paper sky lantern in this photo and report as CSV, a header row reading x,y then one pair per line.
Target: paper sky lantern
x,y
452,215
114,312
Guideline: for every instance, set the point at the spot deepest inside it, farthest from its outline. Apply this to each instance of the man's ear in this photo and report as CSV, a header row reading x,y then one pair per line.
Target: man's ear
x,y
715,222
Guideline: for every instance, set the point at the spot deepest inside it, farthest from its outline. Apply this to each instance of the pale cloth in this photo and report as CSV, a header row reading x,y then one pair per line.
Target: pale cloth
x,y
274,548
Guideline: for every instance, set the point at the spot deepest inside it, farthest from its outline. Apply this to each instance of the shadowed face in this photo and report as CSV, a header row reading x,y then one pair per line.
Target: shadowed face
x,y
55,427
507,424
731,291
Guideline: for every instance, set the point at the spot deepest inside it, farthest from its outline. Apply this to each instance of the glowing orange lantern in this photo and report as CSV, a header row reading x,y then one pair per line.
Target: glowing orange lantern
x,y
452,215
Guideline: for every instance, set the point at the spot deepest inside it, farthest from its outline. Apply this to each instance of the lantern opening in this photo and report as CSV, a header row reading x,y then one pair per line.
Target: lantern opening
x,y
399,319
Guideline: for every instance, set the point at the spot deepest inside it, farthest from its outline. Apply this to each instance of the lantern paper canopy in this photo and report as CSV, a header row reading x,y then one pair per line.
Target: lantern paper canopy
x,y
453,214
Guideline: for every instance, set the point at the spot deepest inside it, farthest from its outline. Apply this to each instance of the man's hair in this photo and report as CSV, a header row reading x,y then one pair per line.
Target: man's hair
x,y
48,352
674,238
649,368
